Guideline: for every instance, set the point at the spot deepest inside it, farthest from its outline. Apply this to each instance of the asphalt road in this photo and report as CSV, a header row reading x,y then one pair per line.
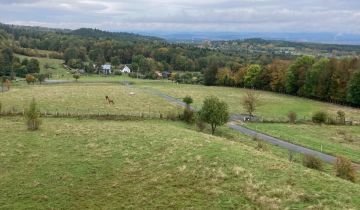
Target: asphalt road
x,y
272,140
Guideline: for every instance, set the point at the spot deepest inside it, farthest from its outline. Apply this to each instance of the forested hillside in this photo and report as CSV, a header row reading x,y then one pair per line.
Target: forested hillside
x,y
328,76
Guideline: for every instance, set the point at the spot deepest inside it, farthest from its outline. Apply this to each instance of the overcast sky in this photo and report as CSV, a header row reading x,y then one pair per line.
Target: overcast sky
x,y
339,16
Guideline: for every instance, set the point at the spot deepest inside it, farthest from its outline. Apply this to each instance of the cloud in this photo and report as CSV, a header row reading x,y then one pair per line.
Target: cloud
x,y
188,15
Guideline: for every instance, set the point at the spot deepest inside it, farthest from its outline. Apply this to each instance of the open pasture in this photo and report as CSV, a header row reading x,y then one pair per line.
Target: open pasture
x,y
334,140
77,164
271,106
86,99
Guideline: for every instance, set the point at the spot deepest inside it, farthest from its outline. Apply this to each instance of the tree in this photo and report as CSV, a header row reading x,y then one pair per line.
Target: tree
x,y
296,75
210,72
251,76
188,115
250,102
312,77
76,76
278,69
214,112
188,100
71,53
30,79
353,93
32,116
33,66
6,62
115,61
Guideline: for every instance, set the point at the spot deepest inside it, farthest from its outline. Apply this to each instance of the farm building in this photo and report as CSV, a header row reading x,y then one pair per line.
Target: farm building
x,y
126,69
106,69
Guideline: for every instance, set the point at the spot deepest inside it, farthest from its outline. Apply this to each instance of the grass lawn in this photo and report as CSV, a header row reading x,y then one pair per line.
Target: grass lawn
x,y
55,67
72,164
86,99
272,105
335,140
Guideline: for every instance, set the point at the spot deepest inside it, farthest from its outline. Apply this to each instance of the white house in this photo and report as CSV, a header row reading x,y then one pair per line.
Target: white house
x,y
106,69
126,69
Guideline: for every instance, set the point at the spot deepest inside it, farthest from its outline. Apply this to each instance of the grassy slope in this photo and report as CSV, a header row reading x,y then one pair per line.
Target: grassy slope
x,y
272,105
56,67
71,164
333,139
85,98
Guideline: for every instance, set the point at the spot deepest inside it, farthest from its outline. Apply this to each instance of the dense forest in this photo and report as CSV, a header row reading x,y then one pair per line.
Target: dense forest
x,y
325,78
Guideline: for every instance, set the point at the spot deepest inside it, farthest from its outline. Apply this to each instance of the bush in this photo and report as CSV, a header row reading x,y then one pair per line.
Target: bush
x,y
172,116
201,125
320,117
188,100
30,79
32,116
76,76
188,115
345,169
312,162
331,120
292,117
341,117
118,73
261,146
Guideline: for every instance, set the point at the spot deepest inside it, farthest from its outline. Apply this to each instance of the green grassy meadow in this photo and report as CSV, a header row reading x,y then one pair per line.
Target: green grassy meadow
x,y
86,98
55,67
335,140
271,106
78,164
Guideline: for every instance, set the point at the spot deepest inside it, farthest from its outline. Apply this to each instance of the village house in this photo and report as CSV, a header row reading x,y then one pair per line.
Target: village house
x,y
126,69
106,69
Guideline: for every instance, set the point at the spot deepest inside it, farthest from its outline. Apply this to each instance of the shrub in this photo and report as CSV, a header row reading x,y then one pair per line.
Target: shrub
x,y
188,115
292,117
319,117
32,116
341,117
30,78
172,116
188,100
331,120
345,169
118,73
260,146
312,162
76,76
201,125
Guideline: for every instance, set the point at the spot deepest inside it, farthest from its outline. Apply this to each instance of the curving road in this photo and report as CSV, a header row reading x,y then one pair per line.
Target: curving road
x,y
272,140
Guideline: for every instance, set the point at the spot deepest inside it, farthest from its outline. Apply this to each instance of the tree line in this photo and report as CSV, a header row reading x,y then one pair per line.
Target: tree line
x,y
327,79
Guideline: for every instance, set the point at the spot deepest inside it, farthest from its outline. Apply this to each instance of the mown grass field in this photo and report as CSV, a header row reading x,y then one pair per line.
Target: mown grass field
x,y
78,164
335,140
86,99
271,106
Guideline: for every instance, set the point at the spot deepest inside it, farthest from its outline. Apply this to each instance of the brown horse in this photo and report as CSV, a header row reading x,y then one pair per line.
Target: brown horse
x,y
109,100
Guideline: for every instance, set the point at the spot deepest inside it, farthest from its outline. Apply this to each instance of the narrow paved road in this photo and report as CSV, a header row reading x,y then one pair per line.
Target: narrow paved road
x,y
272,140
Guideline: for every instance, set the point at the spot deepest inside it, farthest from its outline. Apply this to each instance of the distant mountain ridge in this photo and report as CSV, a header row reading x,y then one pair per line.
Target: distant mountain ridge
x,y
84,32
325,38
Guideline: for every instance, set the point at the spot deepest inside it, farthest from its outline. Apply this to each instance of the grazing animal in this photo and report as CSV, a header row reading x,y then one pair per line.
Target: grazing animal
x,y
109,100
